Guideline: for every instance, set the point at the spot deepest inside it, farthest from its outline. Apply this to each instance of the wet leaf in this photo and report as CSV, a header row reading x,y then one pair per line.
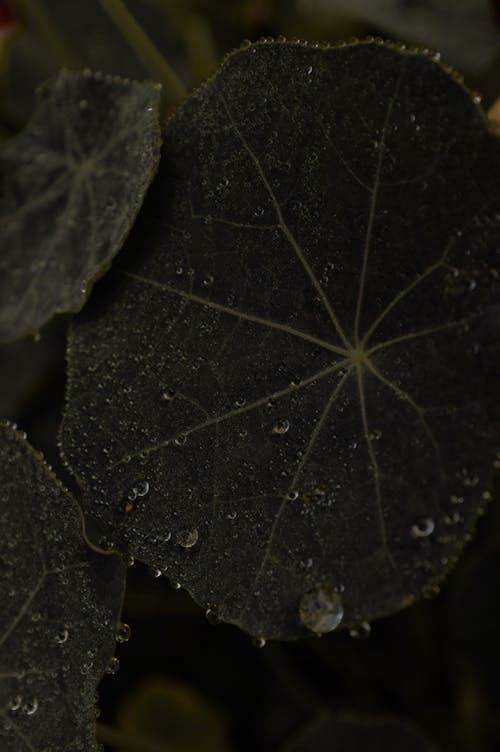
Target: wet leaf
x,y
330,733
60,606
70,187
299,352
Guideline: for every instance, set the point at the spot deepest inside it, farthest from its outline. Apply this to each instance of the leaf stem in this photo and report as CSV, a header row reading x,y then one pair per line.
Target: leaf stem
x,y
127,742
36,16
145,49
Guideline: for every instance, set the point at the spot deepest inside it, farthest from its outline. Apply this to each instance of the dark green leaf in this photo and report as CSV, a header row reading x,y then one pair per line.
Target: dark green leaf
x,y
286,399
70,187
330,733
60,607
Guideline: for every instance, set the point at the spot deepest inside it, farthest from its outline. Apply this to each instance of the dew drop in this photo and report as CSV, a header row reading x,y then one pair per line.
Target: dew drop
x,y
209,280
113,666
61,636
123,632
292,495
187,538
232,515
142,488
281,426
321,609
180,440
15,703
168,395
129,560
30,708
259,642
176,585
155,572
240,402
361,632
309,70
423,528
212,617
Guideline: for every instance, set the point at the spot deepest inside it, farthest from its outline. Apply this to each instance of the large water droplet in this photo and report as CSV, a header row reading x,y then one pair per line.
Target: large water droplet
x,y
281,426
187,538
259,642
422,528
321,609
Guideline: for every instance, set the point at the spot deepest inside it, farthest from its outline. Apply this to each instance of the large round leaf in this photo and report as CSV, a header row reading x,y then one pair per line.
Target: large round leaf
x,y
60,609
285,397
70,187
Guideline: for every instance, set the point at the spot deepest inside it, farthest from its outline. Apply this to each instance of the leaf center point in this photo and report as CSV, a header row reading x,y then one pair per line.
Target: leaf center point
x,y
357,355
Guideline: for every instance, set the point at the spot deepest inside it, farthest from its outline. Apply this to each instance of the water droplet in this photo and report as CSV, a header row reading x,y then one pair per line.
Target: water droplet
x,y
187,538
154,572
321,609
281,426
15,703
142,488
129,560
168,395
292,495
209,280
176,585
259,642
123,632
212,617
30,707
180,440
361,632
309,70
240,402
423,528
113,666
232,515
61,636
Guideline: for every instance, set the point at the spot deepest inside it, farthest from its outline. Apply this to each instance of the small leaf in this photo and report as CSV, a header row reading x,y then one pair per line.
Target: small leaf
x,y
70,187
336,733
60,606
299,351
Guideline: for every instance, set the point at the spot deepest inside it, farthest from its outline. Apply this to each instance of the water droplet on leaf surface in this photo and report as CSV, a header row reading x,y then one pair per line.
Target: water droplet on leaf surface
x,y
423,528
123,633
321,609
187,538
281,426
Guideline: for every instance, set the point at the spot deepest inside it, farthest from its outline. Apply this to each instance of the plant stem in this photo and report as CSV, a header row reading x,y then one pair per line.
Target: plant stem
x,y
128,743
145,49
39,20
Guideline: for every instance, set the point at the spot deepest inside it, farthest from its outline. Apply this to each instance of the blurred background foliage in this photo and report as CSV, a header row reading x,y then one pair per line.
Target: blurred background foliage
x,y
186,685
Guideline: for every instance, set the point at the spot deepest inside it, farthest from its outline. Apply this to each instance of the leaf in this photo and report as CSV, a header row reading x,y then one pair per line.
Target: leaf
x,y
60,607
70,187
285,398
173,715
336,733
